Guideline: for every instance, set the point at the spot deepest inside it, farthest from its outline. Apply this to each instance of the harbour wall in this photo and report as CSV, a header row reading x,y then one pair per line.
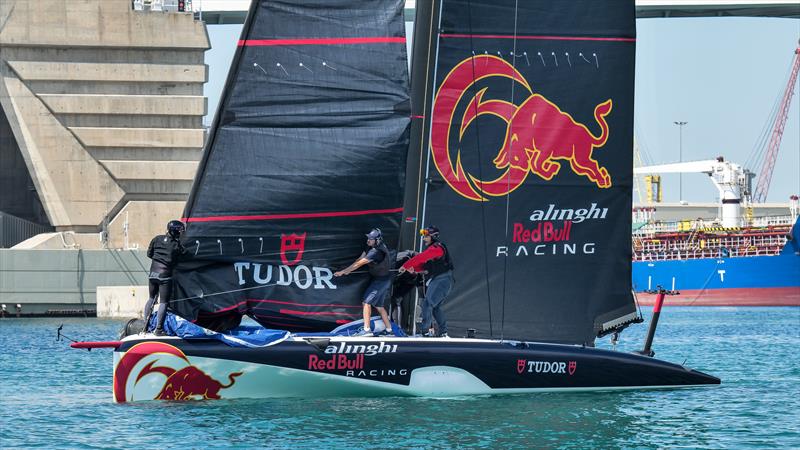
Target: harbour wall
x,y
121,302
65,282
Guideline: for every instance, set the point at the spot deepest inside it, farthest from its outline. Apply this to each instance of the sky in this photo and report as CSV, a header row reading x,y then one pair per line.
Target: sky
x,y
721,75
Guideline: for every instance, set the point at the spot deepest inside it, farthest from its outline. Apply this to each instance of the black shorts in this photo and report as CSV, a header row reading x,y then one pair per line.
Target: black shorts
x,y
377,291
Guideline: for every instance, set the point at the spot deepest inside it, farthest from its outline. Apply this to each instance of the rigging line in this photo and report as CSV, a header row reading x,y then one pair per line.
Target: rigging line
x,y
480,174
127,271
508,188
759,148
708,280
136,257
636,301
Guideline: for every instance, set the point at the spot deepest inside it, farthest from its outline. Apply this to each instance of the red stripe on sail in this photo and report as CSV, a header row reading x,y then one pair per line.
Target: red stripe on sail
x,y
538,38
293,216
271,322
330,305
315,313
322,41
244,302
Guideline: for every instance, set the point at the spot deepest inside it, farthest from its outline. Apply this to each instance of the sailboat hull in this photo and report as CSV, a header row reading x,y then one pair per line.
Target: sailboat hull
x,y
178,369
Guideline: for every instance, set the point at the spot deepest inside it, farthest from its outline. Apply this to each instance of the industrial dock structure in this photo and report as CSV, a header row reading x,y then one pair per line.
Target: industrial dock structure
x,y
101,131
101,110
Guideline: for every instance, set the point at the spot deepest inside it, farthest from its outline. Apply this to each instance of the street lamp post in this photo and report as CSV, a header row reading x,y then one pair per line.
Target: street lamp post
x,y
680,156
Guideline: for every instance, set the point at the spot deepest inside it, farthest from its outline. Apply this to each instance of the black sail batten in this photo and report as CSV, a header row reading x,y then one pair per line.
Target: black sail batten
x,y
530,179
307,153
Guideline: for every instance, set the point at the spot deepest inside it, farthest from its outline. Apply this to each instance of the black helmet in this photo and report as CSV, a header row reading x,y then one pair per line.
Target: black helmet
x,y
175,228
430,230
375,234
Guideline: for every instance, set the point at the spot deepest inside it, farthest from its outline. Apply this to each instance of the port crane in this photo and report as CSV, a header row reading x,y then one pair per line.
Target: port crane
x,y
731,180
778,122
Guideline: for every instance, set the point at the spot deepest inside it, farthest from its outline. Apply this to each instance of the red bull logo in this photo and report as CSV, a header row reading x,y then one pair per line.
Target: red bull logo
x,y
540,138
335,362
184,383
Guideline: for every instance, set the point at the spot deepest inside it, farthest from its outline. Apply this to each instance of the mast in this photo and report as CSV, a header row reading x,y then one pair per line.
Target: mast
x,y
423,57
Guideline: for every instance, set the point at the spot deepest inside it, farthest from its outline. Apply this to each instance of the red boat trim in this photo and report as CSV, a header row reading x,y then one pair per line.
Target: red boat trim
x,y
321,41
537,38
294,216
96,344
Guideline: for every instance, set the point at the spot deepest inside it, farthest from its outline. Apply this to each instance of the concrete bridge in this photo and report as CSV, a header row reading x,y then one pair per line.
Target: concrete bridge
x,y
218,12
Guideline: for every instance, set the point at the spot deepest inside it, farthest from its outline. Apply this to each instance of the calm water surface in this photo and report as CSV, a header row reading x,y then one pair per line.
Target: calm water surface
x,y
52,396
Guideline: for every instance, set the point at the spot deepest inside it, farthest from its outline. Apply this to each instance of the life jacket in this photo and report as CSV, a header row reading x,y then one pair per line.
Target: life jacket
x,y
440,265
164,251
380,269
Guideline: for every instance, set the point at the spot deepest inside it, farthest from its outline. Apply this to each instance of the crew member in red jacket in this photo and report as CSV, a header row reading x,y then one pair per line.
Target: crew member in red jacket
x,y
437,266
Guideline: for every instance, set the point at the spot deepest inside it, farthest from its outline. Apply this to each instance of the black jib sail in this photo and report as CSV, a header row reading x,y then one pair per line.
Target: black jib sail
x,y
306,154
528,172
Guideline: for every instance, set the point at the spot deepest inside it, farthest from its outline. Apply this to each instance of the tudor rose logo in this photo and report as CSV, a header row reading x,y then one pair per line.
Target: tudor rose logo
x,y
292,243
539,135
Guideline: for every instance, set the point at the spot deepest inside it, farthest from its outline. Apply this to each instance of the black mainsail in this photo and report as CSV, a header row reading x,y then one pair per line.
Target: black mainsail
x,y
306,154
528,134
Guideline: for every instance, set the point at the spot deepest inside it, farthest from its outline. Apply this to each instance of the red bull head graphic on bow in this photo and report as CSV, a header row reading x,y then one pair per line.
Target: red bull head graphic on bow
x,y
540,138
180,383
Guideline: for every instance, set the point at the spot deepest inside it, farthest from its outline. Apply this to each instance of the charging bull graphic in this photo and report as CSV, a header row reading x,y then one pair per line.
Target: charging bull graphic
x,y
186,383
539,135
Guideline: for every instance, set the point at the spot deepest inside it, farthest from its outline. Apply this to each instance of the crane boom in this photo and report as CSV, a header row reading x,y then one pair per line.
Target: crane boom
x,y
706,166
731,180
771,155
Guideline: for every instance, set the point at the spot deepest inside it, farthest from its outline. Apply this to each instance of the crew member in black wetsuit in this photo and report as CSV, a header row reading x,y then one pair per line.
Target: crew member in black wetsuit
x,y
378,261
164,251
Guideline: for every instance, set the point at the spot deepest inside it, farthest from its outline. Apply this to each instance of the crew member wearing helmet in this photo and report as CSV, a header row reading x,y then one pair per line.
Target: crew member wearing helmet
x,y
164,252
435,263
377,260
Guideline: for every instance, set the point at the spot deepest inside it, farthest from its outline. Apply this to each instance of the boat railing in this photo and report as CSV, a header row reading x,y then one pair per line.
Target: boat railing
x,y
771,221
687,226
708,246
